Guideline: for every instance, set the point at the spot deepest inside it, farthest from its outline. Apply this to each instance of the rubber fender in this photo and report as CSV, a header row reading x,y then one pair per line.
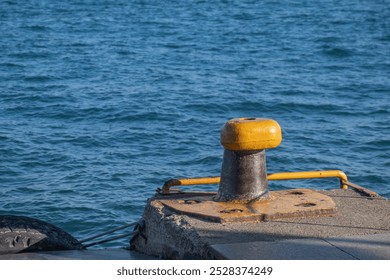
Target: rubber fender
x,y
19,234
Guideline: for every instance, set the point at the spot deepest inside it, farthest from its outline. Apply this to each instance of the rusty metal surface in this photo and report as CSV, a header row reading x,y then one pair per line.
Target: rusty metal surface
x,y
362,190
281,204
243,176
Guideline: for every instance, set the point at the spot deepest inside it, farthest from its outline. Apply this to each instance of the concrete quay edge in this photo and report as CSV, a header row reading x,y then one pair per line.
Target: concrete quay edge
x,y
360,229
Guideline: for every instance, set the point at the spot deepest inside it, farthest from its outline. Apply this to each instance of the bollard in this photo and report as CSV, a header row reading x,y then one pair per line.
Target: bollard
x,y
243,194
244,172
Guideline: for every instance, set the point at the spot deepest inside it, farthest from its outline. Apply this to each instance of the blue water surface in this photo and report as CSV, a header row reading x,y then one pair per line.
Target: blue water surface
x,y
102,101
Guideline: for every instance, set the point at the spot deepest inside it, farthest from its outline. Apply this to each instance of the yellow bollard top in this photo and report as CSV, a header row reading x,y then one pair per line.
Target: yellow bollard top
x,y
249,134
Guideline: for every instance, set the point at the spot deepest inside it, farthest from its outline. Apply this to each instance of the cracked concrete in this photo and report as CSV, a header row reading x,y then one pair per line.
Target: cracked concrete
x,y
171,235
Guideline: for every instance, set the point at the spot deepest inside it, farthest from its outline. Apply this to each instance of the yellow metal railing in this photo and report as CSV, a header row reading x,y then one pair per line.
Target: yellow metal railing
x,y
311,175
274,176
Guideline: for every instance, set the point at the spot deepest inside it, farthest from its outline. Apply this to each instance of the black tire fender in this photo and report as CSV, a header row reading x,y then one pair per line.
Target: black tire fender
x,y
23,234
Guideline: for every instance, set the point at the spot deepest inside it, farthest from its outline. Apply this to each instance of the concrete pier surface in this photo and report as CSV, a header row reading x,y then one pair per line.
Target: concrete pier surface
x,y
359,229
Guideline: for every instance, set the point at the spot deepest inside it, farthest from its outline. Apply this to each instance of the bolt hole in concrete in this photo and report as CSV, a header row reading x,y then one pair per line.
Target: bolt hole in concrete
x,y
306,204
296,193
228,211
189,201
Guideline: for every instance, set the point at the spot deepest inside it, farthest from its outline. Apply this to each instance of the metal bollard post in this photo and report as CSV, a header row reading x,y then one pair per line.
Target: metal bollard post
x,y
244,172
243,194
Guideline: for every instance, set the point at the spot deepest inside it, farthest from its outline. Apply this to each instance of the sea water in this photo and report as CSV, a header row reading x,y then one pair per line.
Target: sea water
x,y
103,101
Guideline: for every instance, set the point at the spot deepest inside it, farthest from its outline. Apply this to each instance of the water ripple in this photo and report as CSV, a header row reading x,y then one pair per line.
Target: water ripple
x,y
102,101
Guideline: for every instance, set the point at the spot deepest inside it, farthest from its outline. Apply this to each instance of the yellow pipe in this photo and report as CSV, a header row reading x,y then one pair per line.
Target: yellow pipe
x,y
275,176
200,181
311,175
189,181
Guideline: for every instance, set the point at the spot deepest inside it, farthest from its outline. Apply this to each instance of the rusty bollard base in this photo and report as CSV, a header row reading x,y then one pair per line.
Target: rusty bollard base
x,y
297,203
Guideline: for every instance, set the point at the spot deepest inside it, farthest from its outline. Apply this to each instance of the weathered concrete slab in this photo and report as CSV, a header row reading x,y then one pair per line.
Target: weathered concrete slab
x,y
100,254
366,247
173,235
291,249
